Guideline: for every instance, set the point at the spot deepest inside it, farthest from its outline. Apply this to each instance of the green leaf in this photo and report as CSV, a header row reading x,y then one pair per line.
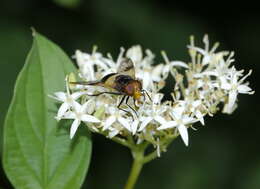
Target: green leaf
x,y
67,3
37,151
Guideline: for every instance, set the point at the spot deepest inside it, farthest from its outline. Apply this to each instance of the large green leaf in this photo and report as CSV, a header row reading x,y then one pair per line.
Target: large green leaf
x,y
37,150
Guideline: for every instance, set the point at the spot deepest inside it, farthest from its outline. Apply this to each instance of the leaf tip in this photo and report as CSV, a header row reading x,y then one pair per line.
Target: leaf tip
x,y
33,31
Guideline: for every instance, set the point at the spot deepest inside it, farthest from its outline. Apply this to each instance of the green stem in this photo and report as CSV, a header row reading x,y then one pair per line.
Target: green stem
x,y
136,169
150,157
138,151
121,141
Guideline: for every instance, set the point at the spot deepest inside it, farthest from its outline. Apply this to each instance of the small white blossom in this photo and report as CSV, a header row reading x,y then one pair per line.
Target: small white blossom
x,y
234,86
196,107
68,100
79,114
181,121
153,112
116,115
135,53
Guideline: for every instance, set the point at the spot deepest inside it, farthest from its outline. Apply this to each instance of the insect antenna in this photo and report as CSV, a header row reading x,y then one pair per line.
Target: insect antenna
x,y
145,92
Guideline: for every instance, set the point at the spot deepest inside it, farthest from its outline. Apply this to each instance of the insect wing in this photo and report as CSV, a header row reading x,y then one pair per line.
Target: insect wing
x,y
97,82
109,80
126,67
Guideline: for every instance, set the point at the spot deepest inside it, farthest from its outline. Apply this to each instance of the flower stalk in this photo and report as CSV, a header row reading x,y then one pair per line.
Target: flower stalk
x,y
138,157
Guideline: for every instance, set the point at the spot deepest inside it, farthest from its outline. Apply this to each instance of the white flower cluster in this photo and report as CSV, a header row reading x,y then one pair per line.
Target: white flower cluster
x,y
200,87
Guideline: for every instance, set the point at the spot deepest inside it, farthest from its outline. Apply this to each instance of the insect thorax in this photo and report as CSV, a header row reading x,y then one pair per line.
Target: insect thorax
x,y
127,84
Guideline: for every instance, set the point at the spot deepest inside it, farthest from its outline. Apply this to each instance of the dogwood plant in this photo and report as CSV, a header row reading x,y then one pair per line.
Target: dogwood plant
x,y
200,87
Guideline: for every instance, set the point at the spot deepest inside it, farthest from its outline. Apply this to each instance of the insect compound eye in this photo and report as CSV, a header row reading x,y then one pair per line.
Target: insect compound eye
x,y
130,89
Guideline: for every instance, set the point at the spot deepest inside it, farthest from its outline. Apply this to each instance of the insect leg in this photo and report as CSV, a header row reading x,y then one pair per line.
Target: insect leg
x,y
124,109
130,106
121,101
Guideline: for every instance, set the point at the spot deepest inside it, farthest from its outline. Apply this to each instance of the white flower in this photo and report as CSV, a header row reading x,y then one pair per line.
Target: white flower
x,y
86,67
221,67
67,99
153,112
116,115
86,63
180,121
208,54
195,107
79,114
152,75
135,54
234,86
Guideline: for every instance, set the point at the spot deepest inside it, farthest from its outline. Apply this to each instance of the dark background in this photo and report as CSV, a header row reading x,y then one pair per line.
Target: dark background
x,y
224,154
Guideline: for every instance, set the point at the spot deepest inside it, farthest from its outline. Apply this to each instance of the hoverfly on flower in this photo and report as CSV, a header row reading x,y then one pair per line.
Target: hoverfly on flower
x,y
123,82
199,88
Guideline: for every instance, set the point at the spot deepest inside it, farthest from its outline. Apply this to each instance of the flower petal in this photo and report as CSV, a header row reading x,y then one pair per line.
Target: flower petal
x,y
188,120
134,126
135,53
88,107
177,112
199,116
89,118
157,98
167,125
109,122
244,89
184,134
113,133
231,100
145,123
69,115
224,84
74,127
125,123
159,119
146,80
63,108
156,72
76,106
179,63
61,96
76,95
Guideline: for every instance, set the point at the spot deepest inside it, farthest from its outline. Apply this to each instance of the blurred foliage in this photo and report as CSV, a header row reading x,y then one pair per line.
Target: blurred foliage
x,y
223,154
252,177
67,3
